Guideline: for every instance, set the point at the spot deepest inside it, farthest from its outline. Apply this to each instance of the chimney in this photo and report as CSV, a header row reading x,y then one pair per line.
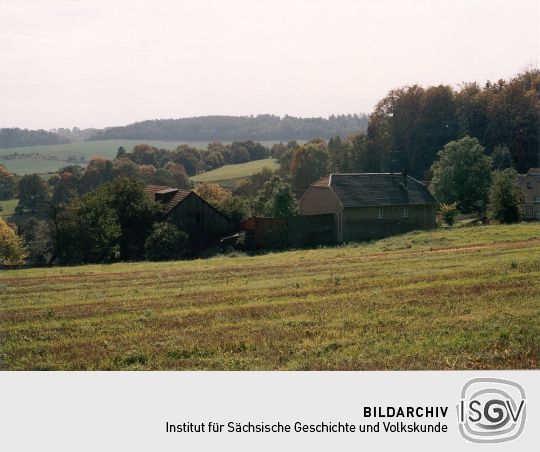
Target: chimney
x,y
404,178
165,195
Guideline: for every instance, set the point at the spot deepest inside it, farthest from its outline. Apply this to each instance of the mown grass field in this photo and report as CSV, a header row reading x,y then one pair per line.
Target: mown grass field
x,y
228,175
87,149
467,298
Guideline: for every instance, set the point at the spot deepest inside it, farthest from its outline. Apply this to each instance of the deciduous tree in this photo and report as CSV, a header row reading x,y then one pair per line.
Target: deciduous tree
x,y
462,174
12,251
8,184
310,163
33,194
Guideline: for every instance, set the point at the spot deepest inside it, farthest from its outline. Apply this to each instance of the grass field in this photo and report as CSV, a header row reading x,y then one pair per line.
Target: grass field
x,y
228,175
8,207
87,149
466,298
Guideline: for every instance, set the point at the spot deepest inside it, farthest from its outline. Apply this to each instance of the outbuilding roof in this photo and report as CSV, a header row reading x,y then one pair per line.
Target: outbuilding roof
x,y
168,196
375,189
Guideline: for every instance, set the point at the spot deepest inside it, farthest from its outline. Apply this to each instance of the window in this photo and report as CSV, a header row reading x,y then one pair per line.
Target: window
x,y
529,184
380,213
405,212
537,199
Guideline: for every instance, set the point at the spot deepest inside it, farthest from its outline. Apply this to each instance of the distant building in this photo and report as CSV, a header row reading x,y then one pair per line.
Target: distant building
x,y
371,205
203,223
530,186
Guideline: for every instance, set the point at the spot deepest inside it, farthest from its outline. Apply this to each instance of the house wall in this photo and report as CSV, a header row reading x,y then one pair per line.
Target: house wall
x,y
362,223
530,208
200,220
319,200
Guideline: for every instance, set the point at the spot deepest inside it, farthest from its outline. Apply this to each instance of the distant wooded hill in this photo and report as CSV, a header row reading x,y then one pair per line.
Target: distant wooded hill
x,y
11,138
230,128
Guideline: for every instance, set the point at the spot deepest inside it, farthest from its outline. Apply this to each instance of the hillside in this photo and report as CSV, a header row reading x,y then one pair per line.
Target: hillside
x,y
44,159
238,128
466,298
227,175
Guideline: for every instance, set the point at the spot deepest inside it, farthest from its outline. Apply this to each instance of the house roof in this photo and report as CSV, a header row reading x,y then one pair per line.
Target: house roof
x,y
532,173
375,189
168,196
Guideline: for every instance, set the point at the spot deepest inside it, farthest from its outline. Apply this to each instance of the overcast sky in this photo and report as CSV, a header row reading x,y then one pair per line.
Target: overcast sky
x,y
102,63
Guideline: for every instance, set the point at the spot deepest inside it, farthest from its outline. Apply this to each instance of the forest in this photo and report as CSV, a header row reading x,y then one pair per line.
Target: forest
x,y
230,128
411,124
14,137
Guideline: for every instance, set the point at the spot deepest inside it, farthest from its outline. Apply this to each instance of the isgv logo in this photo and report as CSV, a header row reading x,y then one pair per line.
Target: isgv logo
x,y
491,410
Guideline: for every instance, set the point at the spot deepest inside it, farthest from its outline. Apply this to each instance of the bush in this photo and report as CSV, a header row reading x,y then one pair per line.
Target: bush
x,y
448,213
37,238
12,251
504,197
166,242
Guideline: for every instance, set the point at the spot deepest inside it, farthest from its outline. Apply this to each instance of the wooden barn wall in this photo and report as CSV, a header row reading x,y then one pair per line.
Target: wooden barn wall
x,y
311,230
308,230
200,220
361,223
265,232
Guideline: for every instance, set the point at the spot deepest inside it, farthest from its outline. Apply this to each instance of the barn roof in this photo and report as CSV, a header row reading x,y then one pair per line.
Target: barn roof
x,y
375,189
168,196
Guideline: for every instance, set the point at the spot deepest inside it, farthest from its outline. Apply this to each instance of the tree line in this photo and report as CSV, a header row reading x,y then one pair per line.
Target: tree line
x,y
411,124
14,137
231,128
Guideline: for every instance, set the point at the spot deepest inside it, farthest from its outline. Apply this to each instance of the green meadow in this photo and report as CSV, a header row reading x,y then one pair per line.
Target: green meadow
x,y
228,175
465,298
87,149
7,208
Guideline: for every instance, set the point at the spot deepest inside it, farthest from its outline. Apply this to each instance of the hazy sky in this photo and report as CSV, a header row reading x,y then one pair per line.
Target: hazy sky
x,y
101,63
